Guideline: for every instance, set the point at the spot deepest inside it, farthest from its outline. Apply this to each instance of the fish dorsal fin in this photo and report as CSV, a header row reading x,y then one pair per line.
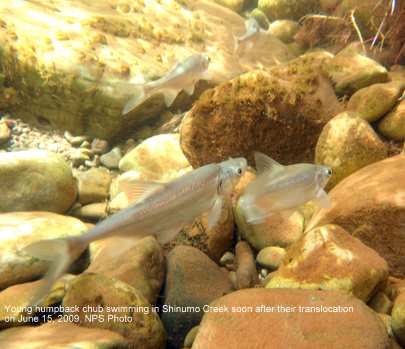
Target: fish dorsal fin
x,y
169,96
266,163
137,190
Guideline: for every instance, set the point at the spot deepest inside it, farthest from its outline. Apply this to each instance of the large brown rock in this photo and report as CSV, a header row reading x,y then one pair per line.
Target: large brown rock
x,y
35,180
370,204
280,114
107,303
193,280
293,319
61,335
139,263
20,229
346,144
329,258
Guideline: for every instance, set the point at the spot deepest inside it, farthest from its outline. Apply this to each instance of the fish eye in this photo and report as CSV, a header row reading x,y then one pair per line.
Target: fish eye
x,y
329,171
239,171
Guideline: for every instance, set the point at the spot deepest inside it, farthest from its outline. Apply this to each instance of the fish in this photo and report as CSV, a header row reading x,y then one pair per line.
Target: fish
x,y
161,209
253,31
183,76
282,188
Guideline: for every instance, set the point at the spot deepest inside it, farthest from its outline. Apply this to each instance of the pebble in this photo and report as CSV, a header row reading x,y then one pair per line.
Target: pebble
x,y
270,257
246,274
112,158
5,133
93,212
188,341
99,146
74,140
227,259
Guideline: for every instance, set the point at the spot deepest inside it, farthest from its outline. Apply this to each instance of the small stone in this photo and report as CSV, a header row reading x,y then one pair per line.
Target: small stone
x,y
398,318
93,212
86,144
381,303
284,30
270,257
374,101
79,156
352,71
264,273
227,259
5,133
112,158
392,125
74,140
246,274
99,146
188,341
93,185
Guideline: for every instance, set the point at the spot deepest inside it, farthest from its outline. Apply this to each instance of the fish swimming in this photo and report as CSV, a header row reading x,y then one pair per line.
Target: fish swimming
x,y
278,188
162,210
253,31
183,76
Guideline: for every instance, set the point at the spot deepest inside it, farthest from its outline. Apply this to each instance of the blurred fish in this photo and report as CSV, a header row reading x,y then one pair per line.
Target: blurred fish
x,y
183,76
161,209
253,31
279,188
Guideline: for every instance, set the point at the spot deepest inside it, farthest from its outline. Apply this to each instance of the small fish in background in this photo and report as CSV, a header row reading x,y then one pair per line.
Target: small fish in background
x,y
279,188
183,76
162,210
253,31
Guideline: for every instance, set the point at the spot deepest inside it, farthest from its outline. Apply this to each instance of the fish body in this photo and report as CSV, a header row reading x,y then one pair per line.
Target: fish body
x,y
279,188
253,32
161,210
183,76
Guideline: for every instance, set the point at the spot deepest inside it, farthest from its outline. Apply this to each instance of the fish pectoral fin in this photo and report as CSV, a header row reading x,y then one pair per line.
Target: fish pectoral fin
x,y
189,89
137,190
169,96
215,213
322,199
266,163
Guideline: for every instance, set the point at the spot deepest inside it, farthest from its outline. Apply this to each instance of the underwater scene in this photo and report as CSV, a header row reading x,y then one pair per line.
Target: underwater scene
x,y
202,174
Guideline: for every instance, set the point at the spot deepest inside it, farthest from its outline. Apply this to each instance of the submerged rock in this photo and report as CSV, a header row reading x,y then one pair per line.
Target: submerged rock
x,y
288,9
398,318
370,204
111,159
246,274
280,114
392,125
77,75
18,230
281,229
133,317
139,263
372,102
35,180
93,185
346,144
289,319
193,280
61,335
347,264
284,30
157,158
270,257
352,71
5,133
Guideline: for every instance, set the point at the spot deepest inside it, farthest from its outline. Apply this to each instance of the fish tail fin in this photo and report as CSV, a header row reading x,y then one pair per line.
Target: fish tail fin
x,y
61,253
137,99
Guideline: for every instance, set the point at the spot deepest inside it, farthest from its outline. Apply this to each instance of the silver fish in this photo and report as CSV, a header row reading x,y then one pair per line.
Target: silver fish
x,y
183,76
161,210
253,31
279,188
